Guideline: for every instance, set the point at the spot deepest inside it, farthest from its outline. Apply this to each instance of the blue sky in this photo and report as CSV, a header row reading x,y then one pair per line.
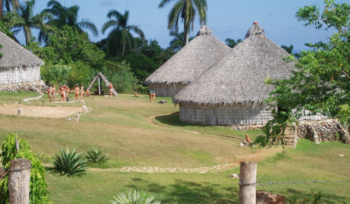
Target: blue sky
x,y
227,18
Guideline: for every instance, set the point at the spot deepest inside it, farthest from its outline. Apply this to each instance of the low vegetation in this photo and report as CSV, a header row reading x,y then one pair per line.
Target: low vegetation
x,y
68,163
96,156
137,197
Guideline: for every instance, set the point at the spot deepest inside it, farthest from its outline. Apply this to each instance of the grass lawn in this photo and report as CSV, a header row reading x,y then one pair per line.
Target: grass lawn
x,y
137,133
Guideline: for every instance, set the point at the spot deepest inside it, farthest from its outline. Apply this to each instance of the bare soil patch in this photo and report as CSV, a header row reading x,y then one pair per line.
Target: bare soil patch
x,y
40,111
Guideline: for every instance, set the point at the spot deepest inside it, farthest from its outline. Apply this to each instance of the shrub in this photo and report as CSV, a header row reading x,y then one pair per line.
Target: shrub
x,y
68,163
38,192
138,197
96,156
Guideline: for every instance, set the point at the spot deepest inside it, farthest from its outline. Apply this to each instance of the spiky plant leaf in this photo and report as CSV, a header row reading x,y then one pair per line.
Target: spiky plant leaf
x,y
137,197
96,156
69,163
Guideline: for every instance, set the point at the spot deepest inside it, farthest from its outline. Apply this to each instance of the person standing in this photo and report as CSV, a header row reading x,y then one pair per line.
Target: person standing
x,y
82,92
49,93
76,90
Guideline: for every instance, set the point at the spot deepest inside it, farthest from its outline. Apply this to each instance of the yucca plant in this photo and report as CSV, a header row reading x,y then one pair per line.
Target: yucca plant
x,y
96,156
68,163
137,197
40,156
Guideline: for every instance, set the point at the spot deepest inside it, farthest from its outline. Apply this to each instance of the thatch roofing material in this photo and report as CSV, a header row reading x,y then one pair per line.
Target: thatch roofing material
x,y
192,60
239,76
15,55
255,29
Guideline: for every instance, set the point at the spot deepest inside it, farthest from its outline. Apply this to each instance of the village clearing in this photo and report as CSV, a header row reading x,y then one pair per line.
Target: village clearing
x,y
138,134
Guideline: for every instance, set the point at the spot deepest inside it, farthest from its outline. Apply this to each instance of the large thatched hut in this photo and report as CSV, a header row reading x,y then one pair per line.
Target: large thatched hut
x,y
232,91
186,65
19,68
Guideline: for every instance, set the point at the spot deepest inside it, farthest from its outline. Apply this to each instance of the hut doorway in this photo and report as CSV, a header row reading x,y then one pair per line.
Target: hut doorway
x,y
100,77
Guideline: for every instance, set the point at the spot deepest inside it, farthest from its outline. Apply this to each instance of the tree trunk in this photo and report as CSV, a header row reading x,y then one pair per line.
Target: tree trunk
x,y
28,34
186,32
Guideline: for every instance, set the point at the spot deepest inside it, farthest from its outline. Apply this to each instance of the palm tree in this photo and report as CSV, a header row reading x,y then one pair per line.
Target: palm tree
x,y
232,43
25,19
288,49
186,9
177,43
66,16
7,3
120,39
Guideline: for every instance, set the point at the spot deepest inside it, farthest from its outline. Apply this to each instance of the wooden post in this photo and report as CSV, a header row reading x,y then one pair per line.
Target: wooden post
x,y
19,179
99,86
247,182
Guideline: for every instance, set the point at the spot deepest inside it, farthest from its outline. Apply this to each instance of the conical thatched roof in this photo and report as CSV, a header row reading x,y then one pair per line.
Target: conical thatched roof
x,y
15,55
192,60
239,76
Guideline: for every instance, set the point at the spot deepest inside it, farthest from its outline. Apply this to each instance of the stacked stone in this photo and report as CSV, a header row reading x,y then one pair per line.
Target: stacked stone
x,y
325,130
38,86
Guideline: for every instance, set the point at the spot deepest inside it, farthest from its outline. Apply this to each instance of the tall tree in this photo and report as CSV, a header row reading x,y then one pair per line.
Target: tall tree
x,y
232,43
320,83
25,19
288,49
66,16
177,43
8,4
120,39
186,10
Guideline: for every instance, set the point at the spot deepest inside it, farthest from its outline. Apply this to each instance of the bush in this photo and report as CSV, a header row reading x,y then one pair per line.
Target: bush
x,y
96,156
138,197
55,74
38,192
68,163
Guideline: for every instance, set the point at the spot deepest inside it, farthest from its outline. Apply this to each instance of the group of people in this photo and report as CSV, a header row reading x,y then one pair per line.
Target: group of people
x,y
64,92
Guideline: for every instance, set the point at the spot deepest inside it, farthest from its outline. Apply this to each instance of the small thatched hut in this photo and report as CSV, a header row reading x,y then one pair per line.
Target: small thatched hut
x,y
232,91
17,66
186,65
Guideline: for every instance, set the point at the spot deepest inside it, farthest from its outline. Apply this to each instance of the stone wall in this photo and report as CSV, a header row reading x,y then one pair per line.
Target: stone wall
x,y
37,86
19,75
167,90
323,131
229,115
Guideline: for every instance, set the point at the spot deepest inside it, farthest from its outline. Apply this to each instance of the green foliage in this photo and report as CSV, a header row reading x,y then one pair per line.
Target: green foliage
x,y
26,20
120,41
320,83
79,74
96,156
120,75
41,156
177,43
150,56
232,43
136,197
316,198
55,74
66,46
186,10
68,163
334,15
5,28
38,187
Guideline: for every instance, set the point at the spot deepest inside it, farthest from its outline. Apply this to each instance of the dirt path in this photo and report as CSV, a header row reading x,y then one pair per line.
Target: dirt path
x,y
40,111
33,98
260,155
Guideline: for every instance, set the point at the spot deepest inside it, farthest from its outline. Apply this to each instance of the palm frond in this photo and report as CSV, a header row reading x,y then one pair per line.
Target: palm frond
x,y
87,24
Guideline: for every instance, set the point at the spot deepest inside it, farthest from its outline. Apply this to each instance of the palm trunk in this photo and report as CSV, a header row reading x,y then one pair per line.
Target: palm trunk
x,y
186,32
28,34
14,5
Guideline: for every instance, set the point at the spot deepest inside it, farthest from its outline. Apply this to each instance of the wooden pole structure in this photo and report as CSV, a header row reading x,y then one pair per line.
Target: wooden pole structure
x,y
19,179
247,182
99,86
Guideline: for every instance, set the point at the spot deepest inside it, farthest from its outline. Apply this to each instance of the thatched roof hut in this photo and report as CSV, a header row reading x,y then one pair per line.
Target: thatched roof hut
x,y
232,91
186,65
17,65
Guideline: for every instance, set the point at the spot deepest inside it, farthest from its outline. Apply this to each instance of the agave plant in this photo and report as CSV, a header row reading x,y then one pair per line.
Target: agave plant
x,y
69,163
40,156
138,197
96,155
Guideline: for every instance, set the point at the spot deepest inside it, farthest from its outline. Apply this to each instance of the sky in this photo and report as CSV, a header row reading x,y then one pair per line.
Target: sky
x,y
226,18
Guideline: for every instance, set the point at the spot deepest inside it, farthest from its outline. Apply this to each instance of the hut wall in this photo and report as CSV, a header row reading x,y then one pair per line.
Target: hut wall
x,y
167,90
229,115
19,75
